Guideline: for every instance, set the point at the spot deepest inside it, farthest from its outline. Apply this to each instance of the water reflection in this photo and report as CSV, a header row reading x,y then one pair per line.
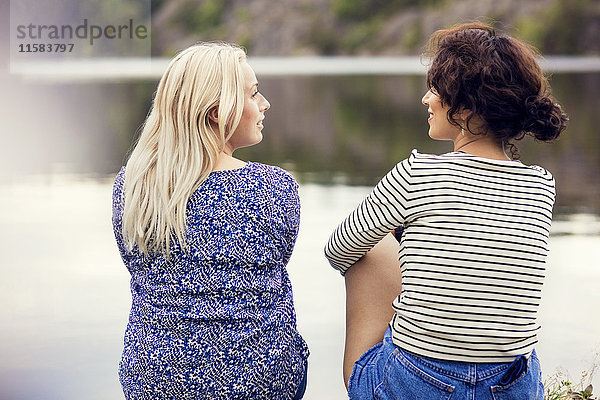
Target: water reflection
x,y
326,129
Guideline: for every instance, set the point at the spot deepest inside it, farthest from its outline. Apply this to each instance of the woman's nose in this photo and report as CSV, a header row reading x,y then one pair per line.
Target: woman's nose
x,y
266,104
425,99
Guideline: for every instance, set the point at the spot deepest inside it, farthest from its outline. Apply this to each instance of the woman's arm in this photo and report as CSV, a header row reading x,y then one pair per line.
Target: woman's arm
x,y
384,209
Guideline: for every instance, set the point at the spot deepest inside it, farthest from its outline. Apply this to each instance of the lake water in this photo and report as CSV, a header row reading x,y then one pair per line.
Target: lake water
x,y
64,296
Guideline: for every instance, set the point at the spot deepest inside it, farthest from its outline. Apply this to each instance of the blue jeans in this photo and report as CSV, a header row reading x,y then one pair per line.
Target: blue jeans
x,y
388,372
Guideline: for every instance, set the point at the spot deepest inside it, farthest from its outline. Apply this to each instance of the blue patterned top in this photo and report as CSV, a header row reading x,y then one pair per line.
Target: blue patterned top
x,y
217,321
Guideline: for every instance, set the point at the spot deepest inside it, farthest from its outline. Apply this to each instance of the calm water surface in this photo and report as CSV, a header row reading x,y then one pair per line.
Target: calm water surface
x,y
344,129
64,296
65,293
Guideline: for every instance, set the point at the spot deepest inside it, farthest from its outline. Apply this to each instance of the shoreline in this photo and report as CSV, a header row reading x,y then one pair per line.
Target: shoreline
x,y
133,69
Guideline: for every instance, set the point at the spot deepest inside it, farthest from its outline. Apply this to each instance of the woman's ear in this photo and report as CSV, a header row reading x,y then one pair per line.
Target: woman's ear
x,y
213,115
465,113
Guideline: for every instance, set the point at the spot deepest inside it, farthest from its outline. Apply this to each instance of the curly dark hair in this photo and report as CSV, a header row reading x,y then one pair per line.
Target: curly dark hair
x,y
496,77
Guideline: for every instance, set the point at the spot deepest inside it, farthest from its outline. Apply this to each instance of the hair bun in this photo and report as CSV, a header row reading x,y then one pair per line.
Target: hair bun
x,y
544,119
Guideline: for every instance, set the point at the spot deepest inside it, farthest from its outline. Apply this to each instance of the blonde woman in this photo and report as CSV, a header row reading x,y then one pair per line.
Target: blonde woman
x,y
206,238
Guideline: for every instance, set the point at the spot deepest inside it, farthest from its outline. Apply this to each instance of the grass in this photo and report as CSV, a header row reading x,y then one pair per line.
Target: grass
x,y
560,387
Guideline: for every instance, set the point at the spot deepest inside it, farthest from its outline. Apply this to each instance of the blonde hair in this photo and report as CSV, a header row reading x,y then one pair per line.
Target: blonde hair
x,y
178,145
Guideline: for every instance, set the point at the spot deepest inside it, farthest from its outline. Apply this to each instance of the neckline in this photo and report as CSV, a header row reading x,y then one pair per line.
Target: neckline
x,y
485,158
232,170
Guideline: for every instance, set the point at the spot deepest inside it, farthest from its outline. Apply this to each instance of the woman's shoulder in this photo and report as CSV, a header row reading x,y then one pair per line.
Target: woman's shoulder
x,y
252,167
459,161
120,175
458,156
271,172
252,175
117,198
119,181
416,157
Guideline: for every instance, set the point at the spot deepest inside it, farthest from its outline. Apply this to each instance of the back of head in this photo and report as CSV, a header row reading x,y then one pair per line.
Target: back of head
x,y
496,77
178,145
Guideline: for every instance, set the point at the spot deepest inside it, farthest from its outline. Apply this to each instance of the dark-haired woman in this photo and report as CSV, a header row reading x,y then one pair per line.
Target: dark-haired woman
x,y
449,309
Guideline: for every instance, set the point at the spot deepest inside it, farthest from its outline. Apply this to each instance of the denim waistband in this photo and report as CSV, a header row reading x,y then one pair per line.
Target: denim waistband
x,y
464,371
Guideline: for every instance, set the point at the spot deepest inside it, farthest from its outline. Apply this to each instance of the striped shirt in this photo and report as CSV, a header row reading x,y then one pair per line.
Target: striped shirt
x,y
472,252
